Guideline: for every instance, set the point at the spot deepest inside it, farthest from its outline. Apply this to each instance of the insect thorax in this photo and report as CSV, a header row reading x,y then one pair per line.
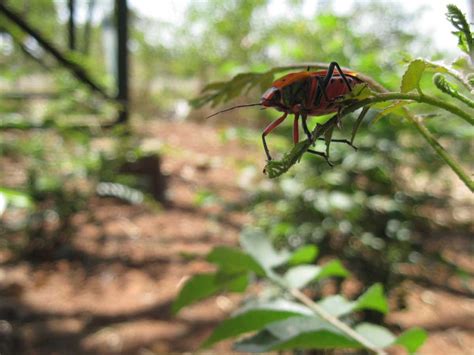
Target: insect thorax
x,y
295,93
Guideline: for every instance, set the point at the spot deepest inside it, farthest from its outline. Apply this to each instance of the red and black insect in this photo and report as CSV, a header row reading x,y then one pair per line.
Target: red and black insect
x,y
304,94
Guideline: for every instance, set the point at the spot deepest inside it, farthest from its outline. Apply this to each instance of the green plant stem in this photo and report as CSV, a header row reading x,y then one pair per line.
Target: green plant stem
x,y
321,312
426,134
391,96
385,95
300,296
455,166
453,73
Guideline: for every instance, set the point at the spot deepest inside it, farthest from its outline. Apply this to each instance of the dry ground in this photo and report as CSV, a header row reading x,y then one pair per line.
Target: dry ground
x,y
112,291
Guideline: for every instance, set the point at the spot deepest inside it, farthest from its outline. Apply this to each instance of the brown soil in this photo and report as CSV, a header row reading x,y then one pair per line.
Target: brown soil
x,y
112,291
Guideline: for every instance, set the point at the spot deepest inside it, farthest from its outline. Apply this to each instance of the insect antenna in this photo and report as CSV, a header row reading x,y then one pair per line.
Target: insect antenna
x,y
232,108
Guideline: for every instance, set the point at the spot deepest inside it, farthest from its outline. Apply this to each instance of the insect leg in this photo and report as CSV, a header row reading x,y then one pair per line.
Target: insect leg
x,y
321,154
358,122
330,73
340,141
296,136
305,127
268,129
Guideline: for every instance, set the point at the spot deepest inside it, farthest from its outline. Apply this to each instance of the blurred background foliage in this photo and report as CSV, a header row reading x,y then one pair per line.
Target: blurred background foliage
x,y
374,209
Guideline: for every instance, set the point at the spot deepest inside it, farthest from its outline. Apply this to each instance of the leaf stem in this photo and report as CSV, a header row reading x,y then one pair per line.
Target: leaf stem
x,y
455,166
453,73
390,96
300,296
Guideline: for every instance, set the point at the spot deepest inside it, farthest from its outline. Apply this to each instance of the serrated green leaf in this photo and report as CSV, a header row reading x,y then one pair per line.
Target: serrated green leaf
x,y
334,268
445,86
257,245
297,333
412,339
202,286
462,63
275,168
378,335
304,255
255,317
373,299
232,260
411,78
464,34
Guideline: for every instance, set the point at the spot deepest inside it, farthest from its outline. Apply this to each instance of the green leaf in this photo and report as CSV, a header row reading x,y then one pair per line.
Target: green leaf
x,y
196,288
445,86
411,78
462,63
359,92
373,299
275,168
235,283
412,339
223,91
334,268
464,34
257,245
393,108
379,336
304,255
337,305
255,317
232,260
300,276
16,198
297,333
202,286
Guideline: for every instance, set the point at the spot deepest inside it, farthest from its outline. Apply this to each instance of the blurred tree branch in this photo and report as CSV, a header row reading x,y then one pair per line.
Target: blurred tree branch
x,y
77,70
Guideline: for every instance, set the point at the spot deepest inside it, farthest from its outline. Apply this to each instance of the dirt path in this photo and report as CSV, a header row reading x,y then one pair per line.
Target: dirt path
x,y
112,291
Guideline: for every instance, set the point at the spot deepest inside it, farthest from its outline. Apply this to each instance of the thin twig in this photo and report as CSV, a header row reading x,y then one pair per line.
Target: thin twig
x,y
300,296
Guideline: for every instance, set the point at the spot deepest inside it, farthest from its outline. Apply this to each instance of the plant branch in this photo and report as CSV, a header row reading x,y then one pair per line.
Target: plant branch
x,y
390,96
300,296
77,70
453,73
455,166
321,312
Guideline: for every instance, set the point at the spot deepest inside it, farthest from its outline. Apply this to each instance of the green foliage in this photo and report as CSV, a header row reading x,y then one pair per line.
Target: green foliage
x,y
219,92
463,33
304,255
278,323
445,86
231,260
202,286
17,199
254,317
411,78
